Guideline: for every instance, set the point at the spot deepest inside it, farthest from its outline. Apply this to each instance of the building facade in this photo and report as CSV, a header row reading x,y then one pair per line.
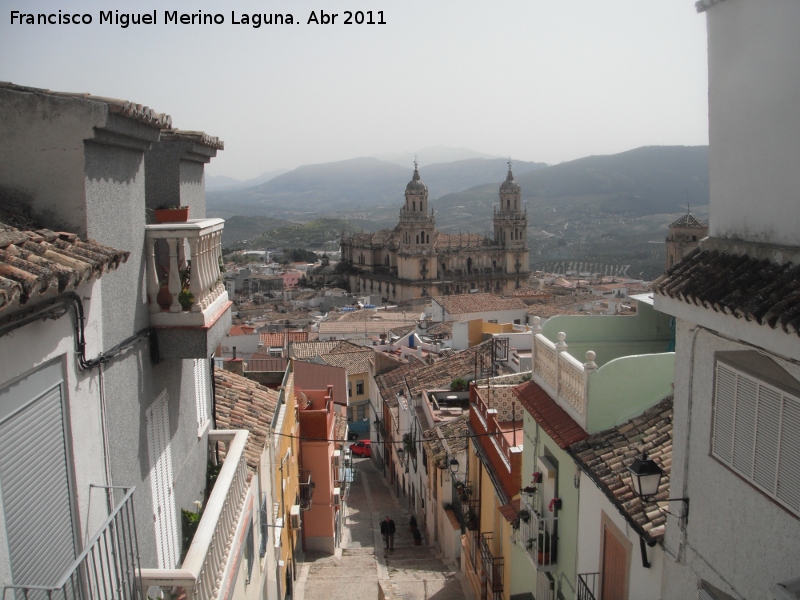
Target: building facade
x,y
414,260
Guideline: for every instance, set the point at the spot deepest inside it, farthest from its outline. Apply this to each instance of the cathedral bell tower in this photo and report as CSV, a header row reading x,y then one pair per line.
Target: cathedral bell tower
x,y
416,225
510,222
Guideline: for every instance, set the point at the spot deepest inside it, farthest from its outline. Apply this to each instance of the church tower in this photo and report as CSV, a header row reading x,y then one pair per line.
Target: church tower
x,y
510,222
416,224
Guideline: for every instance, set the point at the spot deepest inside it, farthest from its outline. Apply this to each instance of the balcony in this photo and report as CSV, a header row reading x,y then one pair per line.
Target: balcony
x,y
209,568
105,570
492,567
581,389
306,490
538,536
587,583
189,307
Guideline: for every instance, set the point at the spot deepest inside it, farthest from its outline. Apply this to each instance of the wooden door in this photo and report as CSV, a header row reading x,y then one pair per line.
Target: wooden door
x,y
615,565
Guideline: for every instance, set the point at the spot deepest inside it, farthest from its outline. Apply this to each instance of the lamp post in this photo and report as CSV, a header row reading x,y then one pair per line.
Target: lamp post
x,y
645,479
452,464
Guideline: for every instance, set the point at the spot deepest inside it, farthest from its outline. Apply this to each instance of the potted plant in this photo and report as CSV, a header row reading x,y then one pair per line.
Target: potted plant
x,y
524,516
546,549
529,543
555,504
458,385
529,489
172,214
536,477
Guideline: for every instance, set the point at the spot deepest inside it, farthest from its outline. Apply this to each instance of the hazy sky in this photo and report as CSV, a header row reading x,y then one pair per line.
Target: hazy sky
x,y
543,80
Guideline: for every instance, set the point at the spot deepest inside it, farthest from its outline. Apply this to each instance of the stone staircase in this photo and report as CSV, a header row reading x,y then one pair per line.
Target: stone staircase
x,y
418,573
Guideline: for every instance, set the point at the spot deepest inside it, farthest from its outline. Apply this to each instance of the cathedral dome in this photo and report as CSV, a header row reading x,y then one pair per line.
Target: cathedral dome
x,y
416,186
509,186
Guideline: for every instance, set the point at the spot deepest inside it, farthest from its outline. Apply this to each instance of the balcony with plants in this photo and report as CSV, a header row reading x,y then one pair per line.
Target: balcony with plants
x,y
537,534
185,291
208,568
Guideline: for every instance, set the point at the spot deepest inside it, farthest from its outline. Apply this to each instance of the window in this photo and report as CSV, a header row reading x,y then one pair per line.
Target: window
x,y
164,513
359,387
349,389
757,424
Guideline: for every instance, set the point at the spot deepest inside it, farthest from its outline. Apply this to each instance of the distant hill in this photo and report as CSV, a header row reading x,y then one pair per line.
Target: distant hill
x,y
432,155
355,183
220,182
239,228
316,234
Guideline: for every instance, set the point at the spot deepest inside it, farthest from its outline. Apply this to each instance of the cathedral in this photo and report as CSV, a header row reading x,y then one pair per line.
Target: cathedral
x,y
414,260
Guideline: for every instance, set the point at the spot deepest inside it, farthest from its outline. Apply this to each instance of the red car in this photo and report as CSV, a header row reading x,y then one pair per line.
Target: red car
x,y
362,448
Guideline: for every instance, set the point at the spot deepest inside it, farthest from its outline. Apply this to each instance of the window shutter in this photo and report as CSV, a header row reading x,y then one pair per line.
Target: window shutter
x,y
201,390
788,486
158,438
723,413
757,433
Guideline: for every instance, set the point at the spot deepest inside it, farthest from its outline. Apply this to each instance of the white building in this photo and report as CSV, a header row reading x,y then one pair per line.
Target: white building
x,y
737,380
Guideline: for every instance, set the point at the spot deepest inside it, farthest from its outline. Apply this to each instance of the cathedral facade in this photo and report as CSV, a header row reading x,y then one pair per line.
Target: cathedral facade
x,y
414,260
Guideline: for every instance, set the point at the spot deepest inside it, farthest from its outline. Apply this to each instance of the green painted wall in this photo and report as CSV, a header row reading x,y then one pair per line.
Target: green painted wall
x,y
626,387
612,336
523,578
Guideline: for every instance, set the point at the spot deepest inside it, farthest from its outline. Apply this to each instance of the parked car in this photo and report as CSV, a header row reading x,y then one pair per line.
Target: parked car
x,y
361,448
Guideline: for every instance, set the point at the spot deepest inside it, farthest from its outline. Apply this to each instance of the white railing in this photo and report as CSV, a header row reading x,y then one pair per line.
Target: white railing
x,y
206,567
189,304
561,375
538,536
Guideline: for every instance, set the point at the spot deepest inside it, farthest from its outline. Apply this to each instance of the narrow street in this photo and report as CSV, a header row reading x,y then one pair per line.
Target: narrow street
x,y
409,572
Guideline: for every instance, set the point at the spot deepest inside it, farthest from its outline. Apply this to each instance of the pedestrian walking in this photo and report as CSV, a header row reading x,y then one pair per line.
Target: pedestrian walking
x,y
387,531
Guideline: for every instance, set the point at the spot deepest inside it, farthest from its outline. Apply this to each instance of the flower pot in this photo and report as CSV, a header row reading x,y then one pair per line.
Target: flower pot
x,y
164,298
543,558
172,215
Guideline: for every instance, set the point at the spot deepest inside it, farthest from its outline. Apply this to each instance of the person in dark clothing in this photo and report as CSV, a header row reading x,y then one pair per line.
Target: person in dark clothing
x,y
387,531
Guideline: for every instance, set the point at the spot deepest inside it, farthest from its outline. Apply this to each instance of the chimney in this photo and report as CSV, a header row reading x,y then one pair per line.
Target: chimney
x,y
234,365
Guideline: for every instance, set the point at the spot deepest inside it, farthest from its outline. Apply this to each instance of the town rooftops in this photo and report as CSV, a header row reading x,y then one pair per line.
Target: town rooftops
x,y
442,372
356,359
394,382
688,221
474,303
125,108
379,315
237,330
550,416
304,350
275,339
39,263
446,438
606,456
241,403
740,286
355,327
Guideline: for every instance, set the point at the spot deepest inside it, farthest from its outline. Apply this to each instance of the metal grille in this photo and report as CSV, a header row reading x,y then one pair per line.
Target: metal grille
x,y
587,584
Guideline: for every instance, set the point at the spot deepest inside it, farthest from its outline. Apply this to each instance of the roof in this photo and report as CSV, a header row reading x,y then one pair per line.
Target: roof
x,y
236,330
740,286
198,137
275,339
392,383
442,372
355,361
340,429
303,350
550,416
449,435
473,303
688,221
403,330
606,456
40,262
444,328
379,315
125,108
313,376
355,327
510,511
241,403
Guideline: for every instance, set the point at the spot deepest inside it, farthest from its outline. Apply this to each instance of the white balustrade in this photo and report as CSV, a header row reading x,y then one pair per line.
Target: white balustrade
x,y
206,293
207,564
561,375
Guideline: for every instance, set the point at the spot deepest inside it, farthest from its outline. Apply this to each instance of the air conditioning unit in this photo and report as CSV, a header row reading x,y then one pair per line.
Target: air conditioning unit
x,y
337,454
337,496
294,513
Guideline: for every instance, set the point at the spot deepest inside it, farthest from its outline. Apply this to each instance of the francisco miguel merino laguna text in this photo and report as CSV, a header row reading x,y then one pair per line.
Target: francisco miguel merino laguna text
x,y
255,20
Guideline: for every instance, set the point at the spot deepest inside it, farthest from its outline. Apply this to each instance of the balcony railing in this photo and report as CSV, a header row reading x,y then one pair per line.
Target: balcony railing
x,y
473,543
492,569
306,490
538,536
105,570
192,304
561,375
587,585
208,563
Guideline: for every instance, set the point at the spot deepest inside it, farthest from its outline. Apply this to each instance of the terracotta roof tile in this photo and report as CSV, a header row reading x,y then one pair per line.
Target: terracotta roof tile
x,y
355,361
473,303
739,286
510,511
442,372
688,221
606,456
241,403
303,350
552,418
449,435
41,262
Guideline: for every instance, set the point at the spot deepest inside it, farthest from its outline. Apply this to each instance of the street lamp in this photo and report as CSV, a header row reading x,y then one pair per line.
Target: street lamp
x,y
645,479
453,465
